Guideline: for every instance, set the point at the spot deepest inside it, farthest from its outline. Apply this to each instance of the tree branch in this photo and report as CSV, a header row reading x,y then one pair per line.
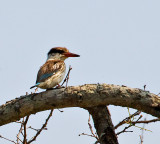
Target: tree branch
x,y
84,96
103,125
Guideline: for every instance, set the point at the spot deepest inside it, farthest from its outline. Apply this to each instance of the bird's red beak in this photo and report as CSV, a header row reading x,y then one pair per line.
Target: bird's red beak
x,y
68,54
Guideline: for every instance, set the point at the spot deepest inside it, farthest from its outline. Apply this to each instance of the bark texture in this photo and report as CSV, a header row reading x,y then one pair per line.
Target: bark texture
x,y
84,96
103,124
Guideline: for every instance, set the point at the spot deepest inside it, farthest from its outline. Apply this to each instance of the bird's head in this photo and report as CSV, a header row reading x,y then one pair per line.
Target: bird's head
x,y
60,53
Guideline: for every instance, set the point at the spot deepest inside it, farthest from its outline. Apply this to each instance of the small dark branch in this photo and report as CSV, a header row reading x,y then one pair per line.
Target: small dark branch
x,y
60,110
124,121
124,130
36,129
130,125
137,120
67,77
133,123
8,139
146,121
42,128
25,130
33,128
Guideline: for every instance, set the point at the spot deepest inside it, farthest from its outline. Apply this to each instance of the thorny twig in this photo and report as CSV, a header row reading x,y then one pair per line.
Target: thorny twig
x,y
40,130
67,77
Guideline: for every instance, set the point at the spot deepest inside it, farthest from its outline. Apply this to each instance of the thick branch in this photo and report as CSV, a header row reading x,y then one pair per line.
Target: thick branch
x,y
103,125
80,96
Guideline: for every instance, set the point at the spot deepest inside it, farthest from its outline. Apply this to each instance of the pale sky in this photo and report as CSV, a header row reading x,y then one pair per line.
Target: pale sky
x,y
118,41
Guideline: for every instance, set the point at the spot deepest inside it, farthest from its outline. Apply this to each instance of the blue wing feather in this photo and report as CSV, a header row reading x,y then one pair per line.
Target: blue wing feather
x,y
42,78
45,76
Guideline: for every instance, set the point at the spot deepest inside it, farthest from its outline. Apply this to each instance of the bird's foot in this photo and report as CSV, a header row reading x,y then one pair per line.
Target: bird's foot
x,y
36,90
58,86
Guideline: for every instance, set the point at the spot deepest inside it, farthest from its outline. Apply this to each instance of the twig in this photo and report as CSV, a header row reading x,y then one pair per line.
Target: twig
x,y
124,130
130,125
40,130
60,110
67,77
142,134
36,129
25,132
90,127
127,119
141,139
20,130
92,133
19,122
7,139
145,121
86,135
33,128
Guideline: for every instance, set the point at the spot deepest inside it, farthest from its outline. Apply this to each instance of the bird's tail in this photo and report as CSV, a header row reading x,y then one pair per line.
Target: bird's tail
x,y
32,86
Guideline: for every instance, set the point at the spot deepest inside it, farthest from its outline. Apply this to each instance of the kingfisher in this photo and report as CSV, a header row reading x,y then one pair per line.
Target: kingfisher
x,y
53,71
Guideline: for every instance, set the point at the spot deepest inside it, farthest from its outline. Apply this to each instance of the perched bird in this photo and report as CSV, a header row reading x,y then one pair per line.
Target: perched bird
x,y
53,71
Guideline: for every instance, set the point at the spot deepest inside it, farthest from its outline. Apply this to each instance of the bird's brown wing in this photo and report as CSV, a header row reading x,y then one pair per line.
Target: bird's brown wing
x,y
49,69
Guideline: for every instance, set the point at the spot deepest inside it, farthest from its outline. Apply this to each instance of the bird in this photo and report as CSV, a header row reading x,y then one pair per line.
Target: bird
x,y
52,72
